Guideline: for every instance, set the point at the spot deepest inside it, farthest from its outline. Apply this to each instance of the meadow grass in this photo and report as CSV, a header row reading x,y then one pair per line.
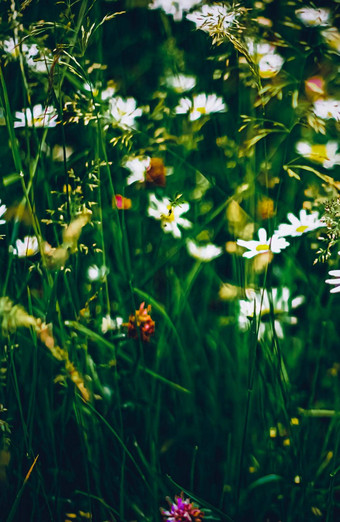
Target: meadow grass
x,y
169,214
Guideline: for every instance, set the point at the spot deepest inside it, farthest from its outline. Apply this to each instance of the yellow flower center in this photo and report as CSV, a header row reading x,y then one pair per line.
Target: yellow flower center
x,y
202,110
301,228
170,216
262,248
318,153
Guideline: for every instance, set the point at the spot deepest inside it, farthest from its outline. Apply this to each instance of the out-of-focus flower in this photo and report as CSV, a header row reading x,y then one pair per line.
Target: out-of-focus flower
x,y
141,324
27,247
170,214
272,307
300,225
109,324
181,82
121,202
326,109
155,173
110,91
332,38
124,112
176,8
274,244
203,253
41,117
326,154
335,281
211,17
137,166
266,208
200,105
264,54
3,209
96,273
36,60
313,17
315,87
182,510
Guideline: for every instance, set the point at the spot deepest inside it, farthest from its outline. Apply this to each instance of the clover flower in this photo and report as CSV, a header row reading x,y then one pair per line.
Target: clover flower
x,y
182,510
200,105
204,253
141,324
176,8
124,112
335,281
170,214
313,17
326,109
271,244
39,117
27,247
274,304
300,225
326,154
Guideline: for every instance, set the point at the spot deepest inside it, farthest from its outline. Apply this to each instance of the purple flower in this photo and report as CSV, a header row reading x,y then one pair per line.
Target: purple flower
x,y
182,510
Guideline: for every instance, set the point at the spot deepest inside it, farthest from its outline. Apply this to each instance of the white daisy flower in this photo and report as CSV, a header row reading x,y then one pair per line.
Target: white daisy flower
x,y
335,281
326,109
176,8
272,244
41,117
313,17
109,92
200,105
94,273
27,247
267,305
211,16
169,214
3,209
181,82
203,253
300,225
138,167
123,111
326,154
109,324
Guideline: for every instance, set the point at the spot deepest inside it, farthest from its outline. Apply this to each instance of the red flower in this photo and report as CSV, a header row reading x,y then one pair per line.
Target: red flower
x,y
141,322
182,510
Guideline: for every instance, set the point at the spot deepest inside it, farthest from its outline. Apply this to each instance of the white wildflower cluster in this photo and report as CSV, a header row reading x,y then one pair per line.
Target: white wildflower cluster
x,y
277,242
270,308
265,55
38,117
176,8
123,112
327,109
215,19
35,59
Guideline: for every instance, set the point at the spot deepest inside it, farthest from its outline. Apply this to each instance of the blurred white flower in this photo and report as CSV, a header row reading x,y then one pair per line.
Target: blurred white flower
x,y
138,167
335,281
3,209
95,273
326,154
176,8
109,324
209,17
270,65
273,309
203,253
326,109
169,214
300,225
41,117
332,37
123,111
313,17
271,244
200,105
181,82
26,247
109,92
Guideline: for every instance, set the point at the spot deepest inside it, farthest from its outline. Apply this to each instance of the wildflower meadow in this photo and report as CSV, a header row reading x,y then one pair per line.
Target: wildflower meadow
x,y
170,261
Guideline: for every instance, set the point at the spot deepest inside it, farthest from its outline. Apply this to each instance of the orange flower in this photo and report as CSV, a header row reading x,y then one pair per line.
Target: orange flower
x,y
141,322
155,173
121,203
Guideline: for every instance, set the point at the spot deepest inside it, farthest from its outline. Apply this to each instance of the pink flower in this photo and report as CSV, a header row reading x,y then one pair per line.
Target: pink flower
x,y
182,510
